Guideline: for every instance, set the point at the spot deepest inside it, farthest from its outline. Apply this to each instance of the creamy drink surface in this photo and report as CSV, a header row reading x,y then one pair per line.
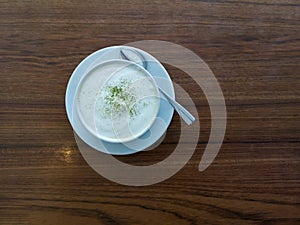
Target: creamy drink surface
x,y
117,101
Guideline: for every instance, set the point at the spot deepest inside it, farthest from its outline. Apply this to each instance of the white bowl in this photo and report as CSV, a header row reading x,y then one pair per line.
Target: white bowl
x,y
117,101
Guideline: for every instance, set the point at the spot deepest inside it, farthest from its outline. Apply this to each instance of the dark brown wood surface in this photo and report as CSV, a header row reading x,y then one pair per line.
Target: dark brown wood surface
x,y
251,46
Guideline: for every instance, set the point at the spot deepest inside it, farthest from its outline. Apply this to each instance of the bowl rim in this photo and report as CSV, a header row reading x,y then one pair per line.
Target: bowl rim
x,y
103,137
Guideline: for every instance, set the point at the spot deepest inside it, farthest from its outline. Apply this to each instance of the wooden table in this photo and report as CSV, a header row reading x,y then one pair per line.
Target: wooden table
x,y
252,48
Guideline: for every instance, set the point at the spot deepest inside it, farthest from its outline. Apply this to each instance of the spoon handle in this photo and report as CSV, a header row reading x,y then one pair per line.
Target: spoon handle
x,y
184,114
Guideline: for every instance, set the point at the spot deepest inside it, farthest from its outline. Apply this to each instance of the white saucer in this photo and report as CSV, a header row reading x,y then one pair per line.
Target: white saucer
x,y
160,124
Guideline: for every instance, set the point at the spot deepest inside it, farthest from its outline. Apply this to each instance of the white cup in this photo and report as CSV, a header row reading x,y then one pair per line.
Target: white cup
x,y
117,101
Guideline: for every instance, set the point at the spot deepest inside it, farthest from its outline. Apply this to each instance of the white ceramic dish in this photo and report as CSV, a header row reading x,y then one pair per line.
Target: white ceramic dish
x,y
152,135
117,101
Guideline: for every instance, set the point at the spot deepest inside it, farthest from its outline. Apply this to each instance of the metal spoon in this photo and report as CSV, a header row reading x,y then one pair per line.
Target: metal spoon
x,y
135,56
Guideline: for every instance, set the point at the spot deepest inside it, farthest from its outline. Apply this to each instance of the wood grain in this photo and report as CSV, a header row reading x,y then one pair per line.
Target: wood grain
x,y
252,46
